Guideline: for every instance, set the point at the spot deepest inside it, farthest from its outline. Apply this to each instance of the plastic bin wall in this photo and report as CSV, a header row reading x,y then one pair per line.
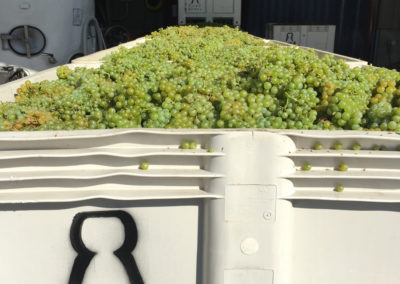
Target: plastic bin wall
x,y
75,205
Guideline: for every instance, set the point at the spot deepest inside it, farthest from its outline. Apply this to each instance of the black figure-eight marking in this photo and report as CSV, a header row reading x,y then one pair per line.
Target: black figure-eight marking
x,y
124,253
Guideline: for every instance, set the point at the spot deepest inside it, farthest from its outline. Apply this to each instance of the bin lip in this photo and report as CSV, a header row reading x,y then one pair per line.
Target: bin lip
x,y
89,59
348,59
89,133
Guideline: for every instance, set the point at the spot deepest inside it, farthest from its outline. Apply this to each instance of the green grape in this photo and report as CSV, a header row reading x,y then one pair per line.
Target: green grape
x,y
306,167
342,167
318,146
382,148
376,147
356,146
185,145
338,146
144,166
192,145
338,188
211,150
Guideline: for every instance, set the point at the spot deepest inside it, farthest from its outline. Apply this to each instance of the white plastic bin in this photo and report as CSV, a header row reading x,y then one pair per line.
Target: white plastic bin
x,y
76,208
227,11
315,36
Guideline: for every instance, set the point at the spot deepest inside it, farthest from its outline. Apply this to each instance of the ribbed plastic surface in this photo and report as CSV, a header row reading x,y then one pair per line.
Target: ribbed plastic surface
x,y
372,175
101,165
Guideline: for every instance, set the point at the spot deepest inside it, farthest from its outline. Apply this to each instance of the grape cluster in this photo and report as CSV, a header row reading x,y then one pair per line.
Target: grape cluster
x,y
210,77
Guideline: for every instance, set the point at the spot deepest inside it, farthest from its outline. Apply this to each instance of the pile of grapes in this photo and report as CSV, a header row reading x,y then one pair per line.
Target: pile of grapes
x,y
210,77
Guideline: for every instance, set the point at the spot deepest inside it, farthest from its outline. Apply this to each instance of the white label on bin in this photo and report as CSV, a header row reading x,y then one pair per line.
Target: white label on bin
x,y
250,203
87,246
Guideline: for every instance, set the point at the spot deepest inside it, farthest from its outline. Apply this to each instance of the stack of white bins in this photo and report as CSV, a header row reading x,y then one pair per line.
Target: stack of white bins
x,y
76,208
210,11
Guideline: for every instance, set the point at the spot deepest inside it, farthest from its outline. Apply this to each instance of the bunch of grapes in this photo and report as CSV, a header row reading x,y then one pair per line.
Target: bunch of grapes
x,y
210,77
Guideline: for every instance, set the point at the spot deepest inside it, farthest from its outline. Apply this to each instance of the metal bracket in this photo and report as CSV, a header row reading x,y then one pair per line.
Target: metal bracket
x,y
26,41
4,41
